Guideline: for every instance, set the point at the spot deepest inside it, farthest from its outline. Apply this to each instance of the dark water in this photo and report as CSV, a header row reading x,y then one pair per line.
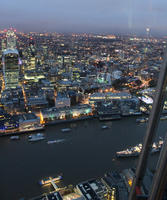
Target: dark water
x,y
88,152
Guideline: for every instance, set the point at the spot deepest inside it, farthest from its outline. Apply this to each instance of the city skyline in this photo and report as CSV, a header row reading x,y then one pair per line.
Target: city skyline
x,y
75,16
76,104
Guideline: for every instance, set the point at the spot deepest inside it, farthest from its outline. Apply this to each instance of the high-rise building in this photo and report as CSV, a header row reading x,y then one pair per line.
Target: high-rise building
x,y
31,57
10,60
33,62
3,45
11,39
148,34
11,68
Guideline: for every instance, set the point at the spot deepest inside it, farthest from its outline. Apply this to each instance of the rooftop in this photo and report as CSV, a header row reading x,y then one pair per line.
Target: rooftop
x,y
8,51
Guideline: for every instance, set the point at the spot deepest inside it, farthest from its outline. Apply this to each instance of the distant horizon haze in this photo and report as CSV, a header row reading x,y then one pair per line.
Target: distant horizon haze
x,y
89,16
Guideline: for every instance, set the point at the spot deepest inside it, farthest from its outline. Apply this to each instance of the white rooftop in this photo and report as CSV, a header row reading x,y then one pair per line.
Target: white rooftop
x,y
7,51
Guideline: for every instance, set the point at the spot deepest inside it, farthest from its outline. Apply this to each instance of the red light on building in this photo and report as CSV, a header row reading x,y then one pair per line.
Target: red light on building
x,y
138,191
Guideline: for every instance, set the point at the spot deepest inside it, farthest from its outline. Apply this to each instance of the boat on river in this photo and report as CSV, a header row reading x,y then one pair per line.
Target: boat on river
x,y
145,119
104,127
66,129
36,137
135,151
15,137
142,120
55,141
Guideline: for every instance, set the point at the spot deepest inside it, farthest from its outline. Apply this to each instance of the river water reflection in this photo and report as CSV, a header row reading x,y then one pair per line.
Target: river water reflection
x,y
87,152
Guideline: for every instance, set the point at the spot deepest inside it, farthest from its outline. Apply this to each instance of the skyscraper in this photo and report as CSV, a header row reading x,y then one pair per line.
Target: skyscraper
x,y
11,39
10,60
3,45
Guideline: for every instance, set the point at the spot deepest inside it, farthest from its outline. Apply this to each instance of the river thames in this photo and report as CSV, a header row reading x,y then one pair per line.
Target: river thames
x,y
87,152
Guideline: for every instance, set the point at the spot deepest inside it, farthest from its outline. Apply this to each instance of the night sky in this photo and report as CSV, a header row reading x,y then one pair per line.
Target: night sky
x,y
96,16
